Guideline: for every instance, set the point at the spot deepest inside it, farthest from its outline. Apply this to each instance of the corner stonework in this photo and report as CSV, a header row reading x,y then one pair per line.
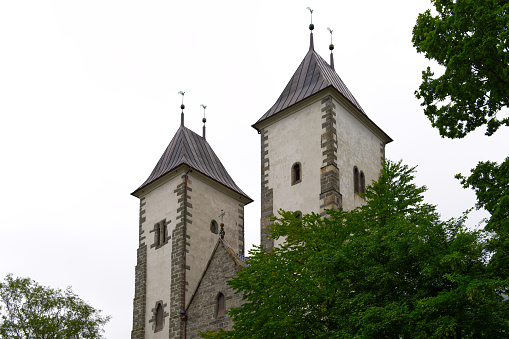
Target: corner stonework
x,y
178,263
267,199
330,196
140,285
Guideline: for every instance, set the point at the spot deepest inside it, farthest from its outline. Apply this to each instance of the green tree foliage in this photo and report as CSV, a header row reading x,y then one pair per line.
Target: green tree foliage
x,y
470,38
490,182
390,269
29,310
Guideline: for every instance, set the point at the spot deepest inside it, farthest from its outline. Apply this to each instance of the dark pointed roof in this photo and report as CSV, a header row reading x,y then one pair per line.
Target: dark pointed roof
x,y
188,148
313,75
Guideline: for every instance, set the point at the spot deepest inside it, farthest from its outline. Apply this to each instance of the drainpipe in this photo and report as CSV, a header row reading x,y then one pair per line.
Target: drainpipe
x,y
184,313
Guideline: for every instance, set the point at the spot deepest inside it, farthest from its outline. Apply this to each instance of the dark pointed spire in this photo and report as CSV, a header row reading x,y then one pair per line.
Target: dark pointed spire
x,y
182,108
311,27
331,47
204,119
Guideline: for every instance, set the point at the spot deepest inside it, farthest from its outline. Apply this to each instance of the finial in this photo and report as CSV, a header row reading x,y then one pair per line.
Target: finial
x,y
204,120
221,233
331,47
182,108
311,27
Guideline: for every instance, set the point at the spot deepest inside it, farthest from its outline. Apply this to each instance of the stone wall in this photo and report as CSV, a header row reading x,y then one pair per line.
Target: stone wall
x,y
140,284
202,310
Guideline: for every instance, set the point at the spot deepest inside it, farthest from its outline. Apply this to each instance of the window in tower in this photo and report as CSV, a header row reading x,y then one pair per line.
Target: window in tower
x,y
362,183
296,173
160,231
213,227
159,317
221,306
356,179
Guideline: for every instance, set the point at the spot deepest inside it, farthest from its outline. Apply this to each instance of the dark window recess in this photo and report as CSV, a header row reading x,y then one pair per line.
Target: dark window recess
x,y
213,227
160,231
356,179
159,317
221,307
296,173
362,188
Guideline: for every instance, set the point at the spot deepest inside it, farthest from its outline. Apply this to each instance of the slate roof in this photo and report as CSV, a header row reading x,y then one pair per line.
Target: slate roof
x,y
188,148
313,75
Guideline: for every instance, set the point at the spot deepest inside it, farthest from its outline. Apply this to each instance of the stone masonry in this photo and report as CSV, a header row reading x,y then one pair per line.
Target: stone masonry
x,y
140,285
267,199
202,310
330,196
178,265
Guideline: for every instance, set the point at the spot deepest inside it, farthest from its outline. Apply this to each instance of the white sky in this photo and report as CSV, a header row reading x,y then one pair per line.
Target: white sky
x,y
88,103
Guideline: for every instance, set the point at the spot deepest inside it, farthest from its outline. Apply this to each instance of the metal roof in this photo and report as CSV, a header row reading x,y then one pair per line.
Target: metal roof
x,y
313,75
188,148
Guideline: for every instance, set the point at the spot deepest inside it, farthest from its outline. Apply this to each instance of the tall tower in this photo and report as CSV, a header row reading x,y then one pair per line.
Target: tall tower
x,y
318,147
181,205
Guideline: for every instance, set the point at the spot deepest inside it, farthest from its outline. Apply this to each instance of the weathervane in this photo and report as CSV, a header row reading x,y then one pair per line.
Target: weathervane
x,y
204,119
331,47
182,108
221,233
311,26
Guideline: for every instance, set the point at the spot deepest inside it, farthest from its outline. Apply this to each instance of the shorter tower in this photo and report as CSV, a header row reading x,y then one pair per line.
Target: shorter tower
x,y
180,207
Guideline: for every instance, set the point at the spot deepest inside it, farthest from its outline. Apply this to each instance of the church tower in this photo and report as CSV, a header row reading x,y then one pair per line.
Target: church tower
x,y
182,203
319,149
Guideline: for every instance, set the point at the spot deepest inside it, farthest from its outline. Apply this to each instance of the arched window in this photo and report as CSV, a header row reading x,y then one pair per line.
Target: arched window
x,y
362,180
213,226
159,317
296,173
221,306
356,179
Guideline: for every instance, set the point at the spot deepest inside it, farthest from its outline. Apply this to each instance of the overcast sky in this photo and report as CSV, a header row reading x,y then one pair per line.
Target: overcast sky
x,y
88,103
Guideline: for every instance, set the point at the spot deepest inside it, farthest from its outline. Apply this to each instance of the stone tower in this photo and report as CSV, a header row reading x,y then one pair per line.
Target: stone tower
x,y
180,207
318,147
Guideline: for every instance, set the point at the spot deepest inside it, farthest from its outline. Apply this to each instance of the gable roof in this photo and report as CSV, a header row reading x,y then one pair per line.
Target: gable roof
x,y
313,75
188,148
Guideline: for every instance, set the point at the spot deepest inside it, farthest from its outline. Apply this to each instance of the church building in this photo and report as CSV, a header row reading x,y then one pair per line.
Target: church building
x,y
318,151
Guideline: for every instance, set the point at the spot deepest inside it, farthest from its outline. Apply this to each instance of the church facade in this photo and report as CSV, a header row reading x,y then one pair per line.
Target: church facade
x,y
318,151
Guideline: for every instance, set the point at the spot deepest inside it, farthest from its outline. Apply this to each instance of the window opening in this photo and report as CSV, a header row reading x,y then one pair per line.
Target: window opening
x,y
221,307
362,188
296,173
213,227
356,179
159,317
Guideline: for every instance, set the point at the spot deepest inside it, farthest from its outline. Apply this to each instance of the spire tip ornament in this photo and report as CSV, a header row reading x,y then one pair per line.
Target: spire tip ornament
x,y
182,108
311,26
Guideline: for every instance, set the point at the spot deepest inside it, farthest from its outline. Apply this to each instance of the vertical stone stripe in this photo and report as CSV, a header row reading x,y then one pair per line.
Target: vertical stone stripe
x,y
330,196
241,229
178,265
267,199
140,284
382,153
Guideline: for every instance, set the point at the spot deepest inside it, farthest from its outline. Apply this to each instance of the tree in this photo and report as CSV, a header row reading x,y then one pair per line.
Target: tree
x,y
390,269
29,310
470,38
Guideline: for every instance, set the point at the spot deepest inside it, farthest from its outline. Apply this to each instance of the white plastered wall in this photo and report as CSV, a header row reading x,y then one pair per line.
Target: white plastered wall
x,y
160,203
357,146
296,138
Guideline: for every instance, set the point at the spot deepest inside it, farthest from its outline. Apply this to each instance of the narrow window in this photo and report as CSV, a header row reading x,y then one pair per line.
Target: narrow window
x,y
213,226
158,234
163,232
362,183
356,179
159,317
296,173
221,307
